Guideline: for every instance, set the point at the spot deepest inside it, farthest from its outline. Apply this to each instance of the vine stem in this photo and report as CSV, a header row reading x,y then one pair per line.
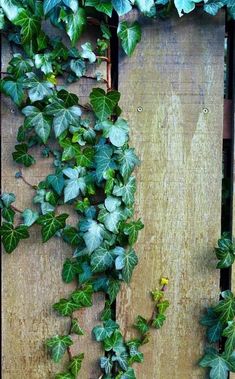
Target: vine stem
x,y
16,209
26,181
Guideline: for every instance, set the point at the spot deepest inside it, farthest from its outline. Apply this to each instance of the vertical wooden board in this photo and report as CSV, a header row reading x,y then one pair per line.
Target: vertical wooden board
x,y
31,280
176,78
232,375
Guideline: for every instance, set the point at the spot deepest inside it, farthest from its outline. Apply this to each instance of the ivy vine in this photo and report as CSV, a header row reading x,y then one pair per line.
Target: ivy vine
x,y
93,163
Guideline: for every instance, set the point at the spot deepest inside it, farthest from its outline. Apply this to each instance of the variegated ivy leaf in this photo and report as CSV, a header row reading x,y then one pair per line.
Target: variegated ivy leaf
x,y
83,297
94,234
57,182
48,5
37,119
58,346
70,270
185,6
117,132
75,24
103,104
229,333
38,89
103,160
106,364
29,24
76,364
51,224
122,6
76,183
122,360
87,52
126,191
130,35
8,198
127,160
11,9
101,259
115,342
29,217
101,332
65,307
44,62
132,229
14,89
63,116
126,261
78,67
129,374
111,214
21,155
212,7
11,235
219,366
145,5
103,6
64,375
75,328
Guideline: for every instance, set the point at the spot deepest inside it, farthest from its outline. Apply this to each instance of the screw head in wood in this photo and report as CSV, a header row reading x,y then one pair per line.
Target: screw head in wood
x,y
139,109
205,110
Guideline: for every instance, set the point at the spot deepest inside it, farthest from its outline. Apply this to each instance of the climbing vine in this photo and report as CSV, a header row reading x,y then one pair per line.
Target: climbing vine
x,y
93,163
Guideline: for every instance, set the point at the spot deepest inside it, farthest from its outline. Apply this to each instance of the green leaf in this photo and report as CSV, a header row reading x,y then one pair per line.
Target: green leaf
x,y
8,214
219,366
72,4
231,8
70,269
71,236
162,306
8,198
225,252
113,289
37,119
78,67
159,321
65,307
76,364
126,191
94,234
74,185
51,224
30,25
229,332
21,155
48,5
103,6
14,89
75,25
29,216
75,328
44,62
64,375
11,9
102,332
135,354
212,7
83,298
19,65
38,89
106,364
126,261
11,236
87,52
103,104
122,6
103,161
57,182
132,230
63,117
58,346
145,5
101,259
127,159
115,342
130,35
117,132
141,324
185,6
226,308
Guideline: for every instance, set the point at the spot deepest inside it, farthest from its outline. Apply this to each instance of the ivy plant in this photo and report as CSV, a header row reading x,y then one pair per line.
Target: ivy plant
x,y
92,159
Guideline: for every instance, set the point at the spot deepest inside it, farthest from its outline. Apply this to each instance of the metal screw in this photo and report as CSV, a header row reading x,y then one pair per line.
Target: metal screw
x,y
12,110
205,110
139,109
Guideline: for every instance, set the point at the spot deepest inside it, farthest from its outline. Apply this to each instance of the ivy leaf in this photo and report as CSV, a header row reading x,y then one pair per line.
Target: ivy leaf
x,y
212,7
44,62
117,132
83,298
70,269
78,67
8,198
126,191
58,346
19,65
35,118
11,236
65,307
8,214
76,364
159,321
103,6
101,259
106,364
21,155
48,5
141,324
14,89
102,332
103,104
214,326
29,216
126,261
129,374
87,52
64,375
113,289
219,366
63,117
130,35
231,9
74,185
132,230
51,224
72,4
11,9
226,308
71,236
122,6
135,354
145,5
103,161
75,25
115,342
30,25
38,89
111,219
225,252
127,159
94,234
185,6
75,328
229,332
57,182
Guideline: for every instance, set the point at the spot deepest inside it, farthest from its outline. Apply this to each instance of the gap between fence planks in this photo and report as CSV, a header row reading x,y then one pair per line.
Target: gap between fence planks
x,y
176,77
232,375
31,279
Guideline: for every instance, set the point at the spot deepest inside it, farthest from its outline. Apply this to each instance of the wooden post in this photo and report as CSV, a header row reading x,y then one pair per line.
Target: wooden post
x,y
172,95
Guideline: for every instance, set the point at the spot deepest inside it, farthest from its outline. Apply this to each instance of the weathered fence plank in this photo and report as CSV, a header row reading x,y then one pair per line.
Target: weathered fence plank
x,y
232,375
32,274
172,94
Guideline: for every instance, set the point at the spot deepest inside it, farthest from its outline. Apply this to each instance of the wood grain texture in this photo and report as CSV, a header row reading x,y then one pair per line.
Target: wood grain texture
x,y
176,76
232,375
31,280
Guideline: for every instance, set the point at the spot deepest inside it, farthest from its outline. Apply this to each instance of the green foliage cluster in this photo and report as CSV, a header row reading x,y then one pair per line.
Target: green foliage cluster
x,y
92,159
219,321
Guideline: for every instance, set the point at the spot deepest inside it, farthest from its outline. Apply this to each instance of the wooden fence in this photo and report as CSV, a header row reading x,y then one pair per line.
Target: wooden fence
x,y
172,94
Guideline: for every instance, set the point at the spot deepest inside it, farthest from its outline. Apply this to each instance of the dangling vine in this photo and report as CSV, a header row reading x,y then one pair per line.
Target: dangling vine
x,y
93,163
